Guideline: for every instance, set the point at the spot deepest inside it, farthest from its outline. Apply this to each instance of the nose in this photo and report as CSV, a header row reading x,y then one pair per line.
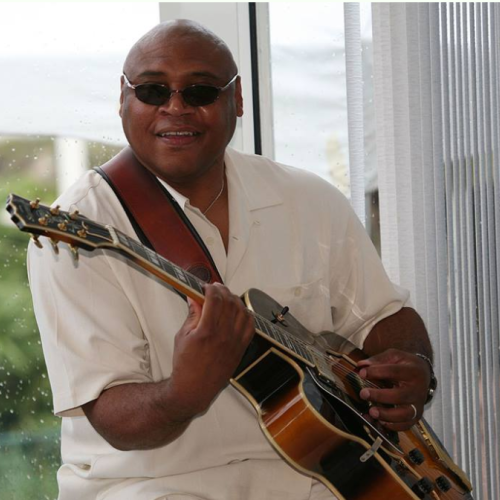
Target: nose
x,y
176,105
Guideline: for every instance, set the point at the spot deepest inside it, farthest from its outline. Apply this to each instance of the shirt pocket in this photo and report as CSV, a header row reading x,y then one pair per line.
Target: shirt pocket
x,y
308,303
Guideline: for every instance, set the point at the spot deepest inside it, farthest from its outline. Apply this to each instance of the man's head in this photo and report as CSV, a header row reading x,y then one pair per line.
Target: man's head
x,y
177,141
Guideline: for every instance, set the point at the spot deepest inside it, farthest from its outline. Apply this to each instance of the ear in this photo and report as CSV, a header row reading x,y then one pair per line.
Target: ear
x,y
122,82
238,96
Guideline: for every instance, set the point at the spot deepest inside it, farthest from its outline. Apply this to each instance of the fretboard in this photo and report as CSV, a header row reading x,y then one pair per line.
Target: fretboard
x,y
174,271
266,328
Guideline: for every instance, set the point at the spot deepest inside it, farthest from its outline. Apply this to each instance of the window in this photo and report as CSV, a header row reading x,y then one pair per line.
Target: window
x,y
59,99
309,95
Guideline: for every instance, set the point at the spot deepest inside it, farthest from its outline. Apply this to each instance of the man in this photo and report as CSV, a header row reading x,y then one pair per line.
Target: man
x,y
143,390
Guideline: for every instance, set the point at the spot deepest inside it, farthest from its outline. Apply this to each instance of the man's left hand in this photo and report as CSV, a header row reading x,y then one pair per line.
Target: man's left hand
x,y
407,377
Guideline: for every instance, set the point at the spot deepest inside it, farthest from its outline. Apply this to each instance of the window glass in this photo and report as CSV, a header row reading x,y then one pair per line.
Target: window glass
x,y
59,93
309,94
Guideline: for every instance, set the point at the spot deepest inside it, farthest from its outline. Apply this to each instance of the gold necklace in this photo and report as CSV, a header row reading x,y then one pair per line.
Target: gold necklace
x,y
216,198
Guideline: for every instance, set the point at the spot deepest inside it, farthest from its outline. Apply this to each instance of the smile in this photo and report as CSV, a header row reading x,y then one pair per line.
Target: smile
x,y
178,134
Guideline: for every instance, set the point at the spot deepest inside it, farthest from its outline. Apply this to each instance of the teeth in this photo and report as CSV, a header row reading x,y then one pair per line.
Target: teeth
x,y
177,133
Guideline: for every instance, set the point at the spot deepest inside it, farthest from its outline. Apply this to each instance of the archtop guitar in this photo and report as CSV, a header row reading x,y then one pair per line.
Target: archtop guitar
x,y
304,387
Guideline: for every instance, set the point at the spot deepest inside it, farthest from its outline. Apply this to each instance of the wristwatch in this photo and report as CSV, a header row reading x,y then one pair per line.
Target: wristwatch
x,y
433,383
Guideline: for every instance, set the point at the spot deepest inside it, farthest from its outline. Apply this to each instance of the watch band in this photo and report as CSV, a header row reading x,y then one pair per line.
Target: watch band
x,y
433,383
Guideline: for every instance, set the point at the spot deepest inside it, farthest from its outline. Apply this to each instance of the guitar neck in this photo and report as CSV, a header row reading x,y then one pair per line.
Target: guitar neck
x,y
178,278
80,232
191,286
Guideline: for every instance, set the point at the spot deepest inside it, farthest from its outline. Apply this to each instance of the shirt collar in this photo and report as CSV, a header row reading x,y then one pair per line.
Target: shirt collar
x,y
239,168
256,188
178,197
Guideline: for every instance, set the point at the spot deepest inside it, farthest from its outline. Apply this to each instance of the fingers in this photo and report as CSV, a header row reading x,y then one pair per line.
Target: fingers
x,y
209,346
388,372
398,390
212,312
389,396
400,416
244,323
395,415
224,314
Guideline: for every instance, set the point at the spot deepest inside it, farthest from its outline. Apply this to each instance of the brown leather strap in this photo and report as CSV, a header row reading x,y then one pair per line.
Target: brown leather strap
x,y
163,223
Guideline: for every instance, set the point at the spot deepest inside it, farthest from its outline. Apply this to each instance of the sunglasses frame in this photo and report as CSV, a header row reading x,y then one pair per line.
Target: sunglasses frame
x,y
219,90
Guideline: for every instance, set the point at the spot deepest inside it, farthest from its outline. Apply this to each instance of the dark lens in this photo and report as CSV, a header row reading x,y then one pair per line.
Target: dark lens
x,y
150,93
200,95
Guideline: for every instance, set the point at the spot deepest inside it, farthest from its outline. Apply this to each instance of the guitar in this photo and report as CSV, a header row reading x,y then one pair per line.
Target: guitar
x,y
304,388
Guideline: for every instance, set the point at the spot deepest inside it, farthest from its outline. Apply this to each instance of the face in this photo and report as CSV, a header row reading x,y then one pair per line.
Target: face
x,y
154,131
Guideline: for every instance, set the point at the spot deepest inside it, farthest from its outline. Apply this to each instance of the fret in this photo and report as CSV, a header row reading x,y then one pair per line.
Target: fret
x,y
289,341
302,351
152,257
124,240
180,274
271,331
278,335
195,283
166,265
275,333
136,247
130,243
261,323
283,337
169,267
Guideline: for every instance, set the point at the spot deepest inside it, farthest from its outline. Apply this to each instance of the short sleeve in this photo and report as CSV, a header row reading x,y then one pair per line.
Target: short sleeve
x,y
91,336
361,292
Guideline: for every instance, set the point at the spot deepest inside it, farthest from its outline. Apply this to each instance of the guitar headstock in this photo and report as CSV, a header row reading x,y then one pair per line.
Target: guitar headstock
x,y
58,225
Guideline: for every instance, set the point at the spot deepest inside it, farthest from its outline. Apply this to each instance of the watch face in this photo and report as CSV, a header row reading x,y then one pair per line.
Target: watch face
x,y
432,388
433,383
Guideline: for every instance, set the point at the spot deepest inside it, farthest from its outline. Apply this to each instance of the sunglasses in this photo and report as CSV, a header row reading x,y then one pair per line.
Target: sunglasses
x,y
157,94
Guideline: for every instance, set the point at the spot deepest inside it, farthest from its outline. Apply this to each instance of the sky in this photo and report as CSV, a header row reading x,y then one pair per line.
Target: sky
x,y
29,28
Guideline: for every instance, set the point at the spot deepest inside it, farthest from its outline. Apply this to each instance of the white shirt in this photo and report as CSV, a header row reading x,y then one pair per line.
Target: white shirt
x,y
104,322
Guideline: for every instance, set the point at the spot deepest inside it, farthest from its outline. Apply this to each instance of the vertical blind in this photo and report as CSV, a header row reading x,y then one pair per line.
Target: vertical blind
x,y
354,95
437,96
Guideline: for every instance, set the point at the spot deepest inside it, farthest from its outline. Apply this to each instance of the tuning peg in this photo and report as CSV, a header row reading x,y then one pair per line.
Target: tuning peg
x,y
54,243
74,251
62,226
74,215
34,204
36,241
43,221
55,210
82,233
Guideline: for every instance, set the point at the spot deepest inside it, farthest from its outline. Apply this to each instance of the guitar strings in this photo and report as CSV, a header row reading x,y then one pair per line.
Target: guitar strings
x,y
329,361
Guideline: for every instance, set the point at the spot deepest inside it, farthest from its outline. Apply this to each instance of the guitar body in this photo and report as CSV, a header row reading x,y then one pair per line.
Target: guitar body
x,y
305,388
326,433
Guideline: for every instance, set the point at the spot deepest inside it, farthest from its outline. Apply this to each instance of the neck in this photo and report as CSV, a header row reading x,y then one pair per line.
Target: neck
x,y
203,190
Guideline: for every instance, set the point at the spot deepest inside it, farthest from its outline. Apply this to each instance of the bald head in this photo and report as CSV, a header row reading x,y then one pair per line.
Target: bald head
x,y
180,32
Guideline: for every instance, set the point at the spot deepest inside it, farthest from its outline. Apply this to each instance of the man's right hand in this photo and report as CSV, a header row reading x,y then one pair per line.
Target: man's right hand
x,y
208,348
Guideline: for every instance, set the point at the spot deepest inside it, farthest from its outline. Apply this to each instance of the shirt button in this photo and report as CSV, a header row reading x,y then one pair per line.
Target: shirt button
x,y
297,292
210,240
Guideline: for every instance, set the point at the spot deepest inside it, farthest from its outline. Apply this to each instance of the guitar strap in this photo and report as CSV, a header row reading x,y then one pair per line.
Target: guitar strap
x,y
158,220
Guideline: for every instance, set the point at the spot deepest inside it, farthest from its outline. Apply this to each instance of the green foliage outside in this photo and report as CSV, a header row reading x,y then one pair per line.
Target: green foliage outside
x,y
29,433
